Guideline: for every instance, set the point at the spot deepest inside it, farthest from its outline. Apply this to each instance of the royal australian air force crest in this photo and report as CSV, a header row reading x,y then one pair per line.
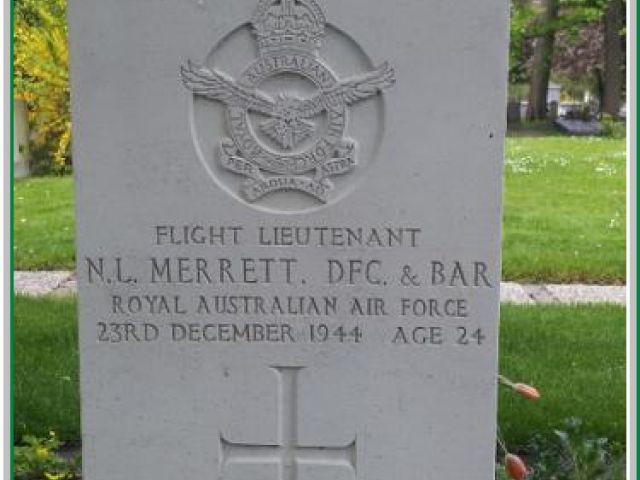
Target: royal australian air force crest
x,y
286,141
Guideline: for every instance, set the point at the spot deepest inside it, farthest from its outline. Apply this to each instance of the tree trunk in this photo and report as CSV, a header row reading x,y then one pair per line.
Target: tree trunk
x,y
542,60
613,58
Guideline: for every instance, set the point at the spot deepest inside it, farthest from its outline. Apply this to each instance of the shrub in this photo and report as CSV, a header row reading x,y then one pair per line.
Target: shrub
x,y
612,127
571,454
37,459
41,77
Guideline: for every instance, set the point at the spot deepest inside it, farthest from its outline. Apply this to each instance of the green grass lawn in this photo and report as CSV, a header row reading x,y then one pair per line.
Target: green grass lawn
x,y
575,355
45,363
564,213
565,210
44,224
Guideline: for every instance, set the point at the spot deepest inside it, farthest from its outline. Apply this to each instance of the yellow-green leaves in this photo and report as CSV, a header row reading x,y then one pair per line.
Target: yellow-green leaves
x,y
41,74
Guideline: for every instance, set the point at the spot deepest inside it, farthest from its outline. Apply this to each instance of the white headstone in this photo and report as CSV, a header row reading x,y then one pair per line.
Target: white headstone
x,y
288,246
20,139
554,93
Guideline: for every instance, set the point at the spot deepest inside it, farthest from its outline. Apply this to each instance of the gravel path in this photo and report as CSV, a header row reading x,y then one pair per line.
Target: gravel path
x,y
64,283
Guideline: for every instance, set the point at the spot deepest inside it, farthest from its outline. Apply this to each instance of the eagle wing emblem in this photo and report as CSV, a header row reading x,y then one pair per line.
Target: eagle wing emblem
x,y
288,129
216,86
350,91
288,126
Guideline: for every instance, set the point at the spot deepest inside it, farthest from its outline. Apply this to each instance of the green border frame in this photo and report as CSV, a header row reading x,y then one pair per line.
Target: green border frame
x,y
11,256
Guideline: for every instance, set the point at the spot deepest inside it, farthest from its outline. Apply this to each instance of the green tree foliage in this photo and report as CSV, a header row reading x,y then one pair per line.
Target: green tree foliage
x,y
523,13
41,78
526,25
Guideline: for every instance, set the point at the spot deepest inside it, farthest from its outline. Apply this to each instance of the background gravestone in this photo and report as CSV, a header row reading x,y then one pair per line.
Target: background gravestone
x,y
21,140
288,237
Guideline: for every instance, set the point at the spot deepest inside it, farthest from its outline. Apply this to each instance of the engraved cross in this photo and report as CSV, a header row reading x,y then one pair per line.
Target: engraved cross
x,y
287,454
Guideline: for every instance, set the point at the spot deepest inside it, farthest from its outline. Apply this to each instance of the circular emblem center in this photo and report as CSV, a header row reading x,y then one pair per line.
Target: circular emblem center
x,y
290,122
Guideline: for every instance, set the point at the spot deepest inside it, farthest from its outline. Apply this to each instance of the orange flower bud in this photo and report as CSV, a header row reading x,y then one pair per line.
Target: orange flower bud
x,y
515,467
527,391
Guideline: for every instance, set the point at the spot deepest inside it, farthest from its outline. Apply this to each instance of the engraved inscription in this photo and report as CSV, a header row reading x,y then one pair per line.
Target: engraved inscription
x,y
233,298
287,453
291,149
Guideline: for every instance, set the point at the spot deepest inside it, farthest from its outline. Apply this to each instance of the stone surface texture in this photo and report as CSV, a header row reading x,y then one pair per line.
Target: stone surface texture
x,y
209,136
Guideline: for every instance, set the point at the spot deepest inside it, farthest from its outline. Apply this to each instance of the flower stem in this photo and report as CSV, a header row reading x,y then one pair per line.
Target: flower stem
x,y
501,442
505,381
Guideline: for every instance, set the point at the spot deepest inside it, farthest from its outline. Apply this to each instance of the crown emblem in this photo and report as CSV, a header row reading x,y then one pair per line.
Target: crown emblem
x,y
297,25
